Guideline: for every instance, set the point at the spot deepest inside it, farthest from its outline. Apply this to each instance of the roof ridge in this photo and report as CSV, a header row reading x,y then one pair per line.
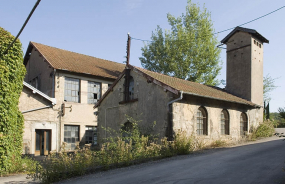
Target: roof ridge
x,y
75,52
174,77
195,83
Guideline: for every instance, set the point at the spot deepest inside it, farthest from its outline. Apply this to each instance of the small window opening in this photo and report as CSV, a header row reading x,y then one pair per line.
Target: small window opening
x,y
95,96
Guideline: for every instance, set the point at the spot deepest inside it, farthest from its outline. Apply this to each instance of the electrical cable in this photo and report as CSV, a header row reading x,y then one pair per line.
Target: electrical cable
x,y
28,18
229,28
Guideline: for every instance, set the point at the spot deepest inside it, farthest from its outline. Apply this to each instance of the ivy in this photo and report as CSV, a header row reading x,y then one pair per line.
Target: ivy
x,y
12,72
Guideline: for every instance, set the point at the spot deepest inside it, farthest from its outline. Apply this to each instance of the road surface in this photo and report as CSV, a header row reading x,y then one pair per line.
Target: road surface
x,y
261,162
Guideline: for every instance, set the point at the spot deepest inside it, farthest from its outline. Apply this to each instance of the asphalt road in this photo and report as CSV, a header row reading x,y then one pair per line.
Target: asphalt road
x,y
254,163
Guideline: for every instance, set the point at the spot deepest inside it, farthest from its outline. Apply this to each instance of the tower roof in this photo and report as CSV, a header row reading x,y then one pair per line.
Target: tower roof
x,y
250,31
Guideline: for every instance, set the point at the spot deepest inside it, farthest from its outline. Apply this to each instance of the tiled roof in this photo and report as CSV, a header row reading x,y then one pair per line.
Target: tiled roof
x,y
177,85
74,62
194,88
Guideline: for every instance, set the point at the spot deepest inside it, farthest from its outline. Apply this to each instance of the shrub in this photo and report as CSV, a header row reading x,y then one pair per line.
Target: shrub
x,y
183,144
266,129
12,72
218,143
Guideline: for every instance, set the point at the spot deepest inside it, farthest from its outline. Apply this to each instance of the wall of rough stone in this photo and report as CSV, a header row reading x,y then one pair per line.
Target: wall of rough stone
x,y
150,107
185,117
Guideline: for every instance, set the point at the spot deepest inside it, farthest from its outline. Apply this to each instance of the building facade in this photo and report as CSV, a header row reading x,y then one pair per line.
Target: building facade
x,y
176,105
76,82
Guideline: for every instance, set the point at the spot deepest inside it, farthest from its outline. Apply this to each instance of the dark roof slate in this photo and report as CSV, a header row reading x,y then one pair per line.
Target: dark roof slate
x,y
250,31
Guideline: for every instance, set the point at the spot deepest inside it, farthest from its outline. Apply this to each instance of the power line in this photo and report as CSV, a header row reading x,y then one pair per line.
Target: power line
x,y
229,28
28,18
251,20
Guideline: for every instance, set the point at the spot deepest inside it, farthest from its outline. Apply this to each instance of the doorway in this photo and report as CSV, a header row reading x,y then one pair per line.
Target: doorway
x,y
43,142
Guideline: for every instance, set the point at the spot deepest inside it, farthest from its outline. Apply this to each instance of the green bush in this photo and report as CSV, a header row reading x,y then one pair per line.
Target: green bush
x,y
12,72
265,129
183,144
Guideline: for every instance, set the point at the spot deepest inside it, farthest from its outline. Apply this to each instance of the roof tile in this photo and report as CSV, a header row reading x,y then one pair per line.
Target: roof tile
x,y
79,63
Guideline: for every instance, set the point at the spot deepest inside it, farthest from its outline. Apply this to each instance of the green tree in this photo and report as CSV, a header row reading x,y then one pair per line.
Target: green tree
x,y
12,72
268,86
282,112
187,51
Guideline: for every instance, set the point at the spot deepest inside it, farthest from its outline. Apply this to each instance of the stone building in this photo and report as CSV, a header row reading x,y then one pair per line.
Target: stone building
x,y
60,90
179,105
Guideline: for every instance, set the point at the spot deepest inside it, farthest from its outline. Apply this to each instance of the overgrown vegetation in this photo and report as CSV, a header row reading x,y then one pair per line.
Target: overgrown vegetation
x,y
265,129
130,147
12,72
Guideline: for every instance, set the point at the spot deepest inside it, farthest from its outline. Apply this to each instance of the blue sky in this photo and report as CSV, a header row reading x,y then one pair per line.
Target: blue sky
x,y
99,28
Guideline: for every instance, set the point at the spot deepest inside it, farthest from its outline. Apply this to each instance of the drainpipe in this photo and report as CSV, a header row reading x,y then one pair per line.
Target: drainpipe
x,y
53,83
49,106
170,116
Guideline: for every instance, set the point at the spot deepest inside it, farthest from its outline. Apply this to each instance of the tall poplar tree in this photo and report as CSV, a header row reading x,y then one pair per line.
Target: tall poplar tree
x,y
187,51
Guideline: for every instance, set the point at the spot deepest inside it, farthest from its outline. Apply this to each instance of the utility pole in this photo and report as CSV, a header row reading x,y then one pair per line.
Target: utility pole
x,y
128,49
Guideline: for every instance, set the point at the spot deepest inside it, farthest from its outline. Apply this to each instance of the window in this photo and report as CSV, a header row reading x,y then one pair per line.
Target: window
x,y
94,92
71,136
131,88
91,135
202,121
71,90
243,123
225,128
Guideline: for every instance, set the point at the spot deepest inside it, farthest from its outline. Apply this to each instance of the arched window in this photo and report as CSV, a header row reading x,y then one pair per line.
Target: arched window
x,y
243,123
202,127
225,123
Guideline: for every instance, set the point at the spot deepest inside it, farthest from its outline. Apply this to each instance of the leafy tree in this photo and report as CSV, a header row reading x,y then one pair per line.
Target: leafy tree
x,y
268,86
12,72
281,112
187,51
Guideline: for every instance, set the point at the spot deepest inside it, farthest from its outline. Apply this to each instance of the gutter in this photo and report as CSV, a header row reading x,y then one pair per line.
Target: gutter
x,y
255,105
170,116
49,106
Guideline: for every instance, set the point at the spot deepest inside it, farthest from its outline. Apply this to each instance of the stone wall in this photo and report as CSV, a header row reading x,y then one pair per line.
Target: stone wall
x,y
185,117
150,107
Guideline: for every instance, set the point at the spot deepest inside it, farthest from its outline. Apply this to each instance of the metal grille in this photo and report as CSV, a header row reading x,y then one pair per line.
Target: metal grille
x,y
94,92
201,122
71,136
243,123
71,90
225,123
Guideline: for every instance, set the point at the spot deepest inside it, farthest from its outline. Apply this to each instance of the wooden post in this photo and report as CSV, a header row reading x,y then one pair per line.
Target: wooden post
x,y
128,49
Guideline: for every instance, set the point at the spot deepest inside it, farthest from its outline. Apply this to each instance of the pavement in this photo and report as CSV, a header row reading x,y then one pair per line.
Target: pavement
x,y
21,178
255,162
